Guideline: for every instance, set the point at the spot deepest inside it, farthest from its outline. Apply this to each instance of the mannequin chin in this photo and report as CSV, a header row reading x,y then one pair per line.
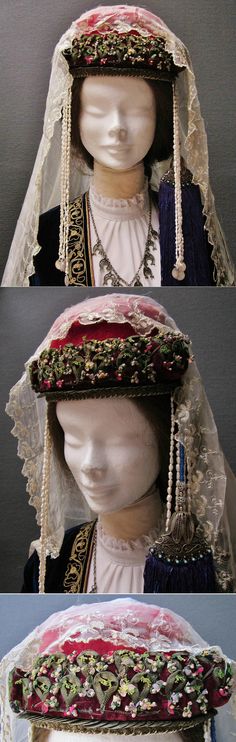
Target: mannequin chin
x,y
111,450
117,120
55,736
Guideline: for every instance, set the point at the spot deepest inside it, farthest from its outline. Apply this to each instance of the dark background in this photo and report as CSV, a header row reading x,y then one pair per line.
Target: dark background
x,y
29,31
205,314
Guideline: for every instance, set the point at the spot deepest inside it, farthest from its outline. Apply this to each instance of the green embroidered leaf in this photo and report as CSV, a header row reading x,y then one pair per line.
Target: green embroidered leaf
x,y
87,659
26,687
123,660
176,681
70,686
110,682
219,676
42,686
145,682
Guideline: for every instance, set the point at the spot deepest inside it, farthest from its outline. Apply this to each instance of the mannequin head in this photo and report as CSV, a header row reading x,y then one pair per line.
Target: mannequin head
x,y
111,449
117,121
120,121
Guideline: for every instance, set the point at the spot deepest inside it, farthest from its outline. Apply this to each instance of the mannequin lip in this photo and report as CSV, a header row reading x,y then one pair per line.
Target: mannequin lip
x,y
117,148
97,487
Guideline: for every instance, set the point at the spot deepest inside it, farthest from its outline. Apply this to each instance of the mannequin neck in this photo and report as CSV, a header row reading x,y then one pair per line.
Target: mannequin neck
x,y
136,520
114,184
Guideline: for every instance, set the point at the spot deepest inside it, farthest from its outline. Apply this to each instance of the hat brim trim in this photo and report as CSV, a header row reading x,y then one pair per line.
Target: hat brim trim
x,y
122,391
117,727
150,74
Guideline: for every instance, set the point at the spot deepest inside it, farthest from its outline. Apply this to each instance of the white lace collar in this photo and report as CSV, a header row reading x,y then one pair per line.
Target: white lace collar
x,y
121,208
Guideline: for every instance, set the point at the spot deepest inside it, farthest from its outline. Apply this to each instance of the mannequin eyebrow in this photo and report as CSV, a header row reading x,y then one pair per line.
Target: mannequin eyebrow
x,y
99,101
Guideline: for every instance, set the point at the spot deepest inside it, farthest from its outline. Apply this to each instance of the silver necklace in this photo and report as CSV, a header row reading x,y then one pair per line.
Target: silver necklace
x,y
105,264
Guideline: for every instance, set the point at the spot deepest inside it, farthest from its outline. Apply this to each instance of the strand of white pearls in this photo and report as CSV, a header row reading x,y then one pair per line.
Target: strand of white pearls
x,y
177,454
44,506
179,269
171,465
62,262
207,731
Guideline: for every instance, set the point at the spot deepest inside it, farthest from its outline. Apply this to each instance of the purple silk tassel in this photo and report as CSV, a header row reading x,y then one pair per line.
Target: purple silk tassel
x,y
163,576
180,561
197,251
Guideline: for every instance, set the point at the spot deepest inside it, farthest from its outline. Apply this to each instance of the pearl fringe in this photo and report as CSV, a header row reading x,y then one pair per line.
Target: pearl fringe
x,y
44,506
171,466
207,731
62,262
179,269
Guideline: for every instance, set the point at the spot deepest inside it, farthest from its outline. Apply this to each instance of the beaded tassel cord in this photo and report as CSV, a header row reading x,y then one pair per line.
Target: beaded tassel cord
x,y
179,269
171,466
44,506
207,731
62,262
180,560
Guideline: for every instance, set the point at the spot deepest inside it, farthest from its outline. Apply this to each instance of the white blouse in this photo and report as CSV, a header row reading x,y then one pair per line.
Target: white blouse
x,y
122,227
120,564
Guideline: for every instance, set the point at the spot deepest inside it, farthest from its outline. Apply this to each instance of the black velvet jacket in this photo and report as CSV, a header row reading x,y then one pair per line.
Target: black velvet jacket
x,y
197,251
69,571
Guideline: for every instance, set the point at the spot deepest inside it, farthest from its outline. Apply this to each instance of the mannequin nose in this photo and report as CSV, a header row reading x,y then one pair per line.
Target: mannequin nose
x,y
93,471
93,465
118,133
118,129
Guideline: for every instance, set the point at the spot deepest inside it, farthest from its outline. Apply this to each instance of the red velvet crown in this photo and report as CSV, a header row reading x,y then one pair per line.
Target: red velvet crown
x,y
100,48
99,680
107,359
119,661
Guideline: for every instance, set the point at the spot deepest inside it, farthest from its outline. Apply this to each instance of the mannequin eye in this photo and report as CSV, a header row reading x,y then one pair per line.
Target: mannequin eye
x,y
93,110
74,441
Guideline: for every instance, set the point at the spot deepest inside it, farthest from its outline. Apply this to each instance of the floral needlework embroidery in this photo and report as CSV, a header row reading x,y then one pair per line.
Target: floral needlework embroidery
x,y
78,272
136,361
122,684
82,546
124,51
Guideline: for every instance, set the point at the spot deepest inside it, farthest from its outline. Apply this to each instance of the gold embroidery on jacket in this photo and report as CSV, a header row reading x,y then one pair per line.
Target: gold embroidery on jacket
x,y
78,274
80,553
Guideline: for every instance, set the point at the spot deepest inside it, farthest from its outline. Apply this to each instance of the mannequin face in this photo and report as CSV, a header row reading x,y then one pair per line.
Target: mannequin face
x,y
111,450
117,120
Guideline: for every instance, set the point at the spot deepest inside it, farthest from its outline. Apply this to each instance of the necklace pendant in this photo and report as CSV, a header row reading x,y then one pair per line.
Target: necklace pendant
x,y
93,590
154,234
147,272
151,246
103,264
111,277
97,248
